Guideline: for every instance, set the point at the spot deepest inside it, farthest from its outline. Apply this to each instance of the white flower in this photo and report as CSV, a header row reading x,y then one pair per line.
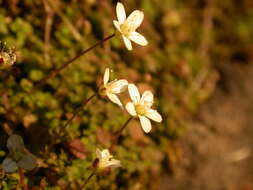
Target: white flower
x,y
127,26
114,87
141,107
105,159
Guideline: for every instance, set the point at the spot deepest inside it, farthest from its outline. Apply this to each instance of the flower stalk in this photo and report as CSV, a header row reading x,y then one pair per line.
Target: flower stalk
x,y
118,133
58,70
62,129
93,173
76,112
21,179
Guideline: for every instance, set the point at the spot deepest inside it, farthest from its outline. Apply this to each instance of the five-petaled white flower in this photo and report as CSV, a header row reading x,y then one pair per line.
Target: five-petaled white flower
x,y
127,26
105,159
141,107
114,87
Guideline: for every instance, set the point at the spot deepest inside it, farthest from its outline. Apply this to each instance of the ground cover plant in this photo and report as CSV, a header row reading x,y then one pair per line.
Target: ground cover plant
x,y
78,97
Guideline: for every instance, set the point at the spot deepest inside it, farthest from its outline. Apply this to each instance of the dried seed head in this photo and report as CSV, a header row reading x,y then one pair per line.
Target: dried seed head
x,y
7,56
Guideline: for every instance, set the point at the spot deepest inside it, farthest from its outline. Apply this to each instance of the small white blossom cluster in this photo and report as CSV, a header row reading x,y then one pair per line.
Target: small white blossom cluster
x,y
140,106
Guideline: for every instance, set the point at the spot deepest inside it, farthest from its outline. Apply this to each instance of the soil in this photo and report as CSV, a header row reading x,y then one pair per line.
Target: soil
x,y
218,146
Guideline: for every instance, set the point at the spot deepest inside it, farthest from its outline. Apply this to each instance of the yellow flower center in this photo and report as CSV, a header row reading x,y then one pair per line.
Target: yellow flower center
x,y
125,29
103,163
140,109
109,87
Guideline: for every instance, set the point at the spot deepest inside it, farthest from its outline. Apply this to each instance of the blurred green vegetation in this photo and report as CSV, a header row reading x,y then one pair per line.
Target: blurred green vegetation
x,y
187,42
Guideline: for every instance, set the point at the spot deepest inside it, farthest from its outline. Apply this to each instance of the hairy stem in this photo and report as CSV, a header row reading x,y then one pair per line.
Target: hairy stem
x,y
22,177
77,111
62,129
65,19
57,71
47,29
88,179
118,133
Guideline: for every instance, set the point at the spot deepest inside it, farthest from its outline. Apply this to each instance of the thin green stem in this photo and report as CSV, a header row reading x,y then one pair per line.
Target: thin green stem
x,y
63,128
21,180
58,70
88,179
118,133
77,111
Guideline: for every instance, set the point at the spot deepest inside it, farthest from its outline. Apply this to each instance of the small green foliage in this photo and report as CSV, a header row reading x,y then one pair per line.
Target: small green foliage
x,y
36,75
17,157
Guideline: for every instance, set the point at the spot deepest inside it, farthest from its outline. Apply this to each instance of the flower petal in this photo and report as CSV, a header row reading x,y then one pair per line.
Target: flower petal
x,y
105,153
114,163
134,93
135,19
117,25
28,162
9,165
119,86
127,43
106,76
114,98
145,124
147,98
138,38
121,14
98,154
15,143
131,109
154,115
